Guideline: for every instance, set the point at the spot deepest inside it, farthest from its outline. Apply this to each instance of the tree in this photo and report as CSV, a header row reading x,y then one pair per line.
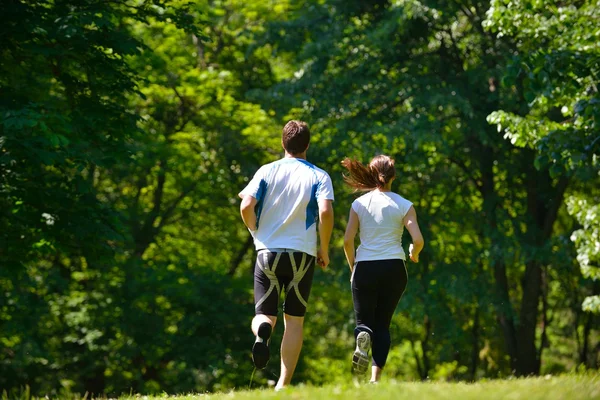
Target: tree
x,y
556,69
64,86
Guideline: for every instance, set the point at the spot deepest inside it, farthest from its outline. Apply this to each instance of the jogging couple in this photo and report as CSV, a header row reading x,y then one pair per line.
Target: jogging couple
x,y
282,205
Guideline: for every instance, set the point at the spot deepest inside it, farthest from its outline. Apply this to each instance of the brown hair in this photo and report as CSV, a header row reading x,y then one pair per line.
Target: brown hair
x,y
295,137
368,177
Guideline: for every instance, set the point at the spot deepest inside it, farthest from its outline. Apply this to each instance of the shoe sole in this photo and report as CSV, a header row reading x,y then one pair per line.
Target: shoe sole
x,y
360,358
260,349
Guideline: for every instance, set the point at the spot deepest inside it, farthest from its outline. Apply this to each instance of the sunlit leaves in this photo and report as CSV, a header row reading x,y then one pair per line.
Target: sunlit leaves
x,y
592,304
587,239
556,70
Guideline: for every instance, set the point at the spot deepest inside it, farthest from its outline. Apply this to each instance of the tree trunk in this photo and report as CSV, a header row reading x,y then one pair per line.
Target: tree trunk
x,y
545,320
504,309
240,255
527,358
422,375
505,313
583,355
475,345
544,198
96,383
425,347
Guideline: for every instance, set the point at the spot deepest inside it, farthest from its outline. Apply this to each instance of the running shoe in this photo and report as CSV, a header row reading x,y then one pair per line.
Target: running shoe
x,y
260,350
360,359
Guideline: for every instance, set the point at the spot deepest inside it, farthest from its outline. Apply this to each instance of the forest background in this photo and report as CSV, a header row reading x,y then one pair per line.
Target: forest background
x,y
127,128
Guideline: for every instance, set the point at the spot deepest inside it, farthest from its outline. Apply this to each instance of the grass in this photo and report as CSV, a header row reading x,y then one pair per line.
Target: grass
x,y
569,387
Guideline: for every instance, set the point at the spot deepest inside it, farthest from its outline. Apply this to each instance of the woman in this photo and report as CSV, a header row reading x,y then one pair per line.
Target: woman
x,y
378,270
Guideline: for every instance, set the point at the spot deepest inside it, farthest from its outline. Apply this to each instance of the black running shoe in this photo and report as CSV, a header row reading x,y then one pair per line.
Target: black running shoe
x,y
260,350
360,358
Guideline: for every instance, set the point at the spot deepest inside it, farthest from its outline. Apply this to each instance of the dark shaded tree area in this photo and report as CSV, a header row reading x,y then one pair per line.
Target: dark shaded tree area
x,y
128,128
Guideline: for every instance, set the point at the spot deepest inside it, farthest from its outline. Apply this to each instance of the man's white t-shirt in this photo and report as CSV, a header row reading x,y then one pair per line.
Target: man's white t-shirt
x,y
381,223
287,193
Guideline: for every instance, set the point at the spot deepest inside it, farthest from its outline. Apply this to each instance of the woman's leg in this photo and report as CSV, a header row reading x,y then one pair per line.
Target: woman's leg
x,y
364,296
392,285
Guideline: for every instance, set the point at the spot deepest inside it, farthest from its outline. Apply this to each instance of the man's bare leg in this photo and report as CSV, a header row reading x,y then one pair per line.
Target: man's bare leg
x,y
290,348
262,327
259,319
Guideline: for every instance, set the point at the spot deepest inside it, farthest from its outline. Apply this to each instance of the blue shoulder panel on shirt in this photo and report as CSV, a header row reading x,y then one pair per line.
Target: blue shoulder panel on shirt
x,y
260,197
309,165
312,208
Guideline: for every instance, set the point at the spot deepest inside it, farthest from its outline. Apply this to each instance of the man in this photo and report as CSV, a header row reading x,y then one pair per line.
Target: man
x,y
280,208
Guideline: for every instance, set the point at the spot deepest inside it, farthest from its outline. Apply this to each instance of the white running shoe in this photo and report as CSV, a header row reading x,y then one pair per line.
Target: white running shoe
x,y
360,359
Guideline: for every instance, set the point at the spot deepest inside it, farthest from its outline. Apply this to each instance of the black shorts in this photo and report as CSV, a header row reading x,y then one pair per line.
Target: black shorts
x,y
289,270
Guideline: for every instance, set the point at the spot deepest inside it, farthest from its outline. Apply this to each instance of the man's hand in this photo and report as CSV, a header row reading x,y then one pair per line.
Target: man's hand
x,y
322,258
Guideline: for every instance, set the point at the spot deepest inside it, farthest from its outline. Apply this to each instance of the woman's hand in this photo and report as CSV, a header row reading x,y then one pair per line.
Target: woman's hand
x,y
410,222
413,257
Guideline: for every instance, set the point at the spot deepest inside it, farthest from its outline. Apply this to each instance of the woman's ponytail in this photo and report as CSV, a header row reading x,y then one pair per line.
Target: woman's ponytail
x,y
375,175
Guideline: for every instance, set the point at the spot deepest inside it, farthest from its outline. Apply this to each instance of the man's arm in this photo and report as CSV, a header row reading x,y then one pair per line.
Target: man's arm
x,y
325,229
247,211
351,230
410,221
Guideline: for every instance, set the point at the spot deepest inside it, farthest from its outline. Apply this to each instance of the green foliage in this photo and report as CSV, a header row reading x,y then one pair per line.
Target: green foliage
x,y
128,129
587,238
135,234
591,304
557,71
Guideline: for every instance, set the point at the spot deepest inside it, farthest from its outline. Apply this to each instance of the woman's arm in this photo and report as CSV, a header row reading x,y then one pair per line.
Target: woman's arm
x,y
351,230
411,224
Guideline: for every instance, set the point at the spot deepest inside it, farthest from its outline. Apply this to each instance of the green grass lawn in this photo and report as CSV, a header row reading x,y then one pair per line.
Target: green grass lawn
x,y
561,387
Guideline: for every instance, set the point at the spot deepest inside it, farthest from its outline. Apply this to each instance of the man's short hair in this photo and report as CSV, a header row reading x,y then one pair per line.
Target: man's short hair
x,y
295,137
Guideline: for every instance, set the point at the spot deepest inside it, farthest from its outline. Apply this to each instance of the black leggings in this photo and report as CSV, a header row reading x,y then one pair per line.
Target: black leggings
x,y
377,287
